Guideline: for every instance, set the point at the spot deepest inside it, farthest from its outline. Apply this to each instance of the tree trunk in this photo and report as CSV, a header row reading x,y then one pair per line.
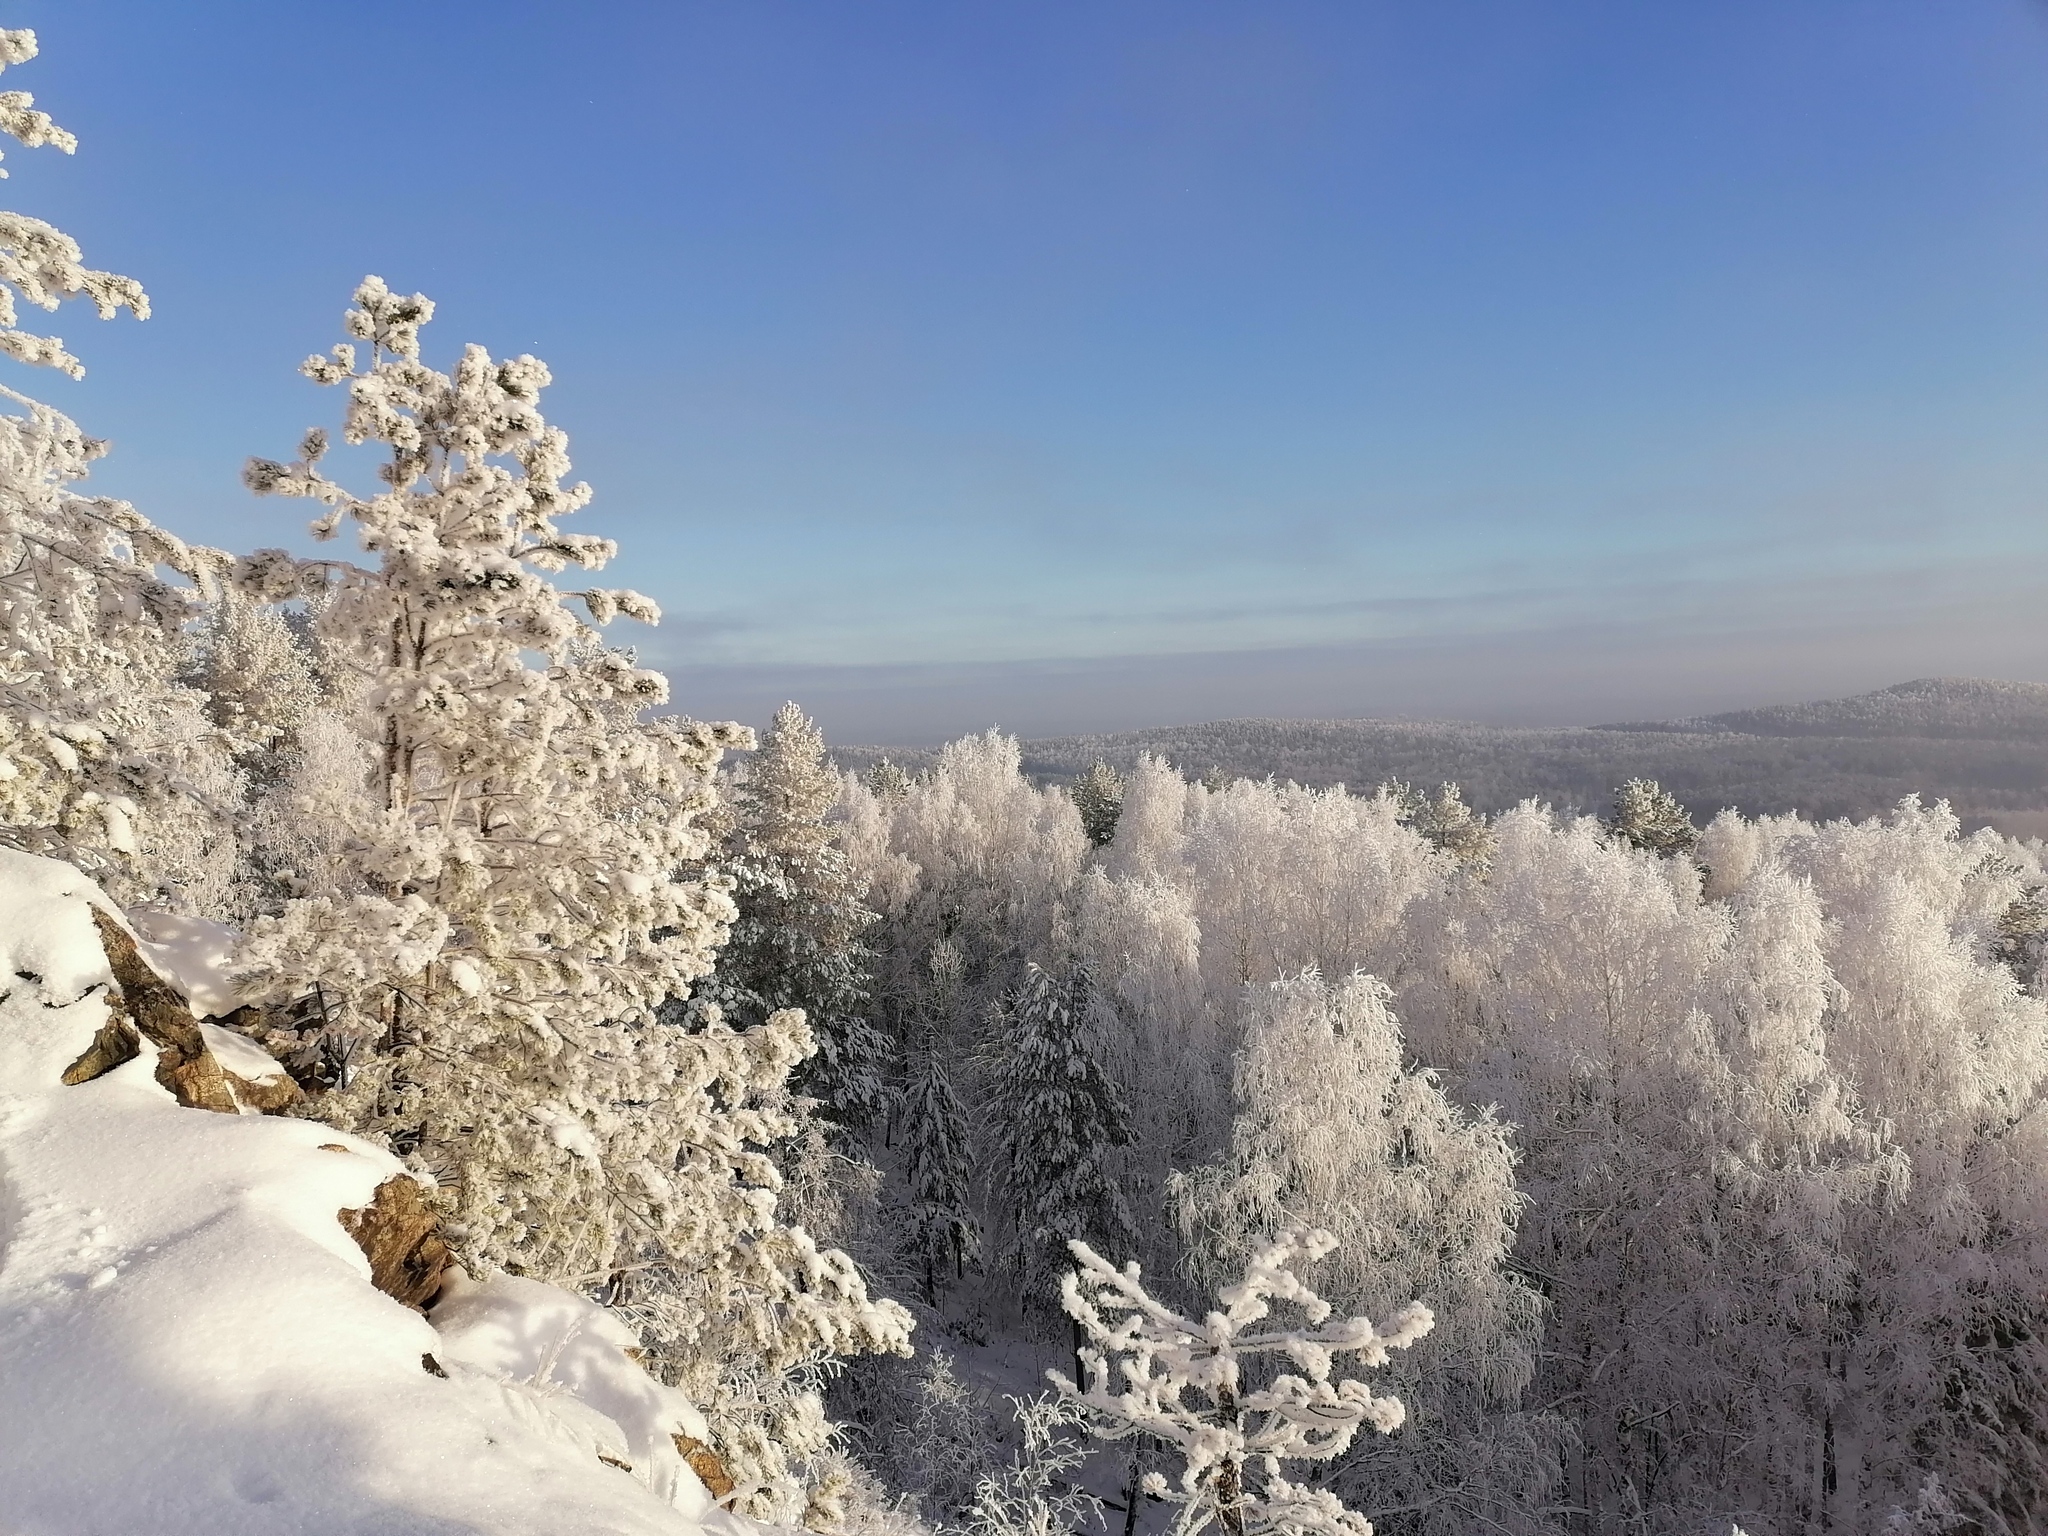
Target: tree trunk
x,y
1230,1475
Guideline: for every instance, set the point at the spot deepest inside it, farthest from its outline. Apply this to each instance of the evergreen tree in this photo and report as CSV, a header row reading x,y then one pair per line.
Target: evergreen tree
x,y
506,914
106,760
1098,795
1452,825
939,1165
1447,821
797,942
1059,1117
1647,816
886,781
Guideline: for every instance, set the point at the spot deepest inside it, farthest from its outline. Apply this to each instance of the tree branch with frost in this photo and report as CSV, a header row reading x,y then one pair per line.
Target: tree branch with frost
x,y
1033,1495
39,263
1155,1372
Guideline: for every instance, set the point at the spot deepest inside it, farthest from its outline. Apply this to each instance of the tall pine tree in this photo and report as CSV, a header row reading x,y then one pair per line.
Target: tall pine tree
x,y
506,914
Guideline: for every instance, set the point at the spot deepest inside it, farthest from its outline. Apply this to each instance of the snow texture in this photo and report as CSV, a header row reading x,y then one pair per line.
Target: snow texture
x,y
191,1340
190,953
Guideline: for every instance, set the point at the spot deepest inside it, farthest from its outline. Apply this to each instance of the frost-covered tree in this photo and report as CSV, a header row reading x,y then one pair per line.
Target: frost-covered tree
x,y
1165,1038
1285,879
1060,1122
506,915
1152,821
1446,821
1691,1155
973,857
1189,1385
938,1164
887,781
942,1451
1947,1360
1098,795
259,681
1035,1495
1646,815
105,759
798,939
1333,1131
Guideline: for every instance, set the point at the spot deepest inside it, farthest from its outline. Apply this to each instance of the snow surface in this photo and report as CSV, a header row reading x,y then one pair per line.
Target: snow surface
x,y
192,955
189,1341
239,1054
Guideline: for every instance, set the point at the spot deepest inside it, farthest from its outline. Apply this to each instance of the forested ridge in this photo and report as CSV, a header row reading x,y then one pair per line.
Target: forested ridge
x,y
1976,743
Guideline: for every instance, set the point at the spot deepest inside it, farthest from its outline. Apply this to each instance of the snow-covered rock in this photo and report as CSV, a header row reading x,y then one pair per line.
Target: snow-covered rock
x,y
190,1342
192,954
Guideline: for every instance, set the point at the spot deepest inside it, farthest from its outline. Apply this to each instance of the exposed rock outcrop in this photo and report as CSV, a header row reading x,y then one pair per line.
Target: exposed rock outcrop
x,y
400,1233
708,1465
146,1007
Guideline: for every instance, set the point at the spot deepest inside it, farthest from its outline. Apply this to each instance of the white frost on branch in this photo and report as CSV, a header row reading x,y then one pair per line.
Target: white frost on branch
x,y
38,262
1182,1382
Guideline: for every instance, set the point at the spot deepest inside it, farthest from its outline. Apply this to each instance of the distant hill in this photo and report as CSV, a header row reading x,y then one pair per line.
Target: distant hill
x,y
1981,745
1941,708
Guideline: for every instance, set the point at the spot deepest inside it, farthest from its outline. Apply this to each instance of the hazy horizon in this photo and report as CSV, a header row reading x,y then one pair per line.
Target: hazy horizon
x,y
1084,367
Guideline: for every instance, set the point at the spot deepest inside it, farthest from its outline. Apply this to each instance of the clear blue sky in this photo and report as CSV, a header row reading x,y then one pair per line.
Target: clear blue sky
x,y
1069,366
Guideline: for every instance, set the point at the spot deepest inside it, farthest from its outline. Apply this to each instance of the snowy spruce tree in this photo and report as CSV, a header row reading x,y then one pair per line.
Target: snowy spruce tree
x,y
797,941
938,1163
1060,1119
506,917
106,759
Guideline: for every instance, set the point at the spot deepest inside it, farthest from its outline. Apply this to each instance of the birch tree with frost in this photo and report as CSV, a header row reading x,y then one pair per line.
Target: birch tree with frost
x,y
1333,1131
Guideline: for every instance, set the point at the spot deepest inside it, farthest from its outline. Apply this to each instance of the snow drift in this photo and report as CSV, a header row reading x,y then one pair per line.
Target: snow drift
x,y
189,1340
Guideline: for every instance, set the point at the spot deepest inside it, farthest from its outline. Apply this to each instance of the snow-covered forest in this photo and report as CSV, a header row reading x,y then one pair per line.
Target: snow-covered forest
x,y
1980,744
900,1153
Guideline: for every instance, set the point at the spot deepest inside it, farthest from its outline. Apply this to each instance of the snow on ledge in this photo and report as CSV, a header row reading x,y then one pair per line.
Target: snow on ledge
x,y
191,1343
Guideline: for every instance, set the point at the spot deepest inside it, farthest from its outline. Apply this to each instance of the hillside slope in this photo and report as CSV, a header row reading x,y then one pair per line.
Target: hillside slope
x,y
1939,708
1980,744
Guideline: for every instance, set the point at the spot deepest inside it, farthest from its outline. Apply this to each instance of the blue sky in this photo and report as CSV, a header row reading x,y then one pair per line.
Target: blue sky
x,y
1080,366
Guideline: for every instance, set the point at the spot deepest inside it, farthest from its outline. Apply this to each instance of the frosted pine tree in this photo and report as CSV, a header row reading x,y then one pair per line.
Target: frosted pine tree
x,y
105,760
1098,795
1646,815
1145,1362
797,942
506,917
1452,825
1060,1119
886,781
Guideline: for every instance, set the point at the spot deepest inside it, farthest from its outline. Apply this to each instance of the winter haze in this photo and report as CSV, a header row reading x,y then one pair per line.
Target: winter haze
x,y
1086,368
